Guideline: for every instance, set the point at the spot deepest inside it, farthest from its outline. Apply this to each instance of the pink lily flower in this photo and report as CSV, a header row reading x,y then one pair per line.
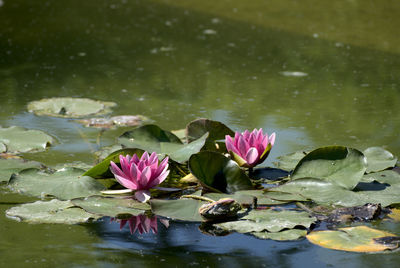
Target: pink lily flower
x,y
140,174
249,149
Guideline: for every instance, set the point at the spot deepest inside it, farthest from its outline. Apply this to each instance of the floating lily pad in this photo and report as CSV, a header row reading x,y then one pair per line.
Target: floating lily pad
x,y
248,197
111,206
218,172
290,161
268,220
3,147
216,130
320,191
21,140
151,138
64,184
386,176
338,164
10,166
181,209
102,170
69,107
54,211
357,239
286,235
115,121
379,159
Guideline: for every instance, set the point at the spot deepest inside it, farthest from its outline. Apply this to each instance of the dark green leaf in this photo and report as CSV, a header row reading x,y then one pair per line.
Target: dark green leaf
x,y
181,209
218,172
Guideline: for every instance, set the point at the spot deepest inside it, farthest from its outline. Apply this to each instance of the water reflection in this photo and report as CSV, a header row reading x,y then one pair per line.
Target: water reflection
x,y
143,224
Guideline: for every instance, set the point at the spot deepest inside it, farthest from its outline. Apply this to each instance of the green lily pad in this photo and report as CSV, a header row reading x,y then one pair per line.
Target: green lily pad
x,y
111,206
180,209
54,211
246,197
338,164
102,170
64,184
268,220
69,107
321,191
379,159
152,138
218,172
356,239
290,161
327,193
21,140
216,130
286,235
386,176
10,166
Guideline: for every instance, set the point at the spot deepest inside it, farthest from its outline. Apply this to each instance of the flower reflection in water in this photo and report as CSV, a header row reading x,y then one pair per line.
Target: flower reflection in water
x,y
142,223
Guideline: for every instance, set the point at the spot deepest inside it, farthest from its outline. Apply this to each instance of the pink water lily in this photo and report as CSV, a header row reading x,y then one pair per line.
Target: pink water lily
x,y
140,174
142,224
249,149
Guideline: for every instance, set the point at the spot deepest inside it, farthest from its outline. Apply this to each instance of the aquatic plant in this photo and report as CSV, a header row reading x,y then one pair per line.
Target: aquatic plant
x,y
140,174
249,149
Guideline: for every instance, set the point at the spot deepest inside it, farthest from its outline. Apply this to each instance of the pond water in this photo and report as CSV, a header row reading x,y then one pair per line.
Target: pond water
x,y
315,72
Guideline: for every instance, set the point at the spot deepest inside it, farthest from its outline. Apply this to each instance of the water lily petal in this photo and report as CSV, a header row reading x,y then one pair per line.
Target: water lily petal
x,y
145,157
142,195
252,156
125,182
163,166
159,179
145,178
246,134
133,173
272,139
135,159
242,146
124,164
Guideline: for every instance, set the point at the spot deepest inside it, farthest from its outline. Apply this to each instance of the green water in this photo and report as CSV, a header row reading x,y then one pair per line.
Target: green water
x,y
175,61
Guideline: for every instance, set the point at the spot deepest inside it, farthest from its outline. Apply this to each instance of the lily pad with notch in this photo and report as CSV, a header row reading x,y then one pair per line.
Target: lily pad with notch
x,y
337,164
11,166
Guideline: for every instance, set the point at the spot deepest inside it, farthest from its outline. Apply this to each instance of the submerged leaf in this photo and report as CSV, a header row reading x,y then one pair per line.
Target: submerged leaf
x,y
218,172
115,121
337,164
21,140
111,206
64,184
357,239
54,211
69,107
379,159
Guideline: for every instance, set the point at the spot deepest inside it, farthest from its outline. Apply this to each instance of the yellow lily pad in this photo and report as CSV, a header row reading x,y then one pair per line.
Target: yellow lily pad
x,y
356,239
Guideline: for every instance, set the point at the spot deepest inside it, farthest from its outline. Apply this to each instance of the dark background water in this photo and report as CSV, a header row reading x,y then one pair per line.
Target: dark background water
x,y
315,72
